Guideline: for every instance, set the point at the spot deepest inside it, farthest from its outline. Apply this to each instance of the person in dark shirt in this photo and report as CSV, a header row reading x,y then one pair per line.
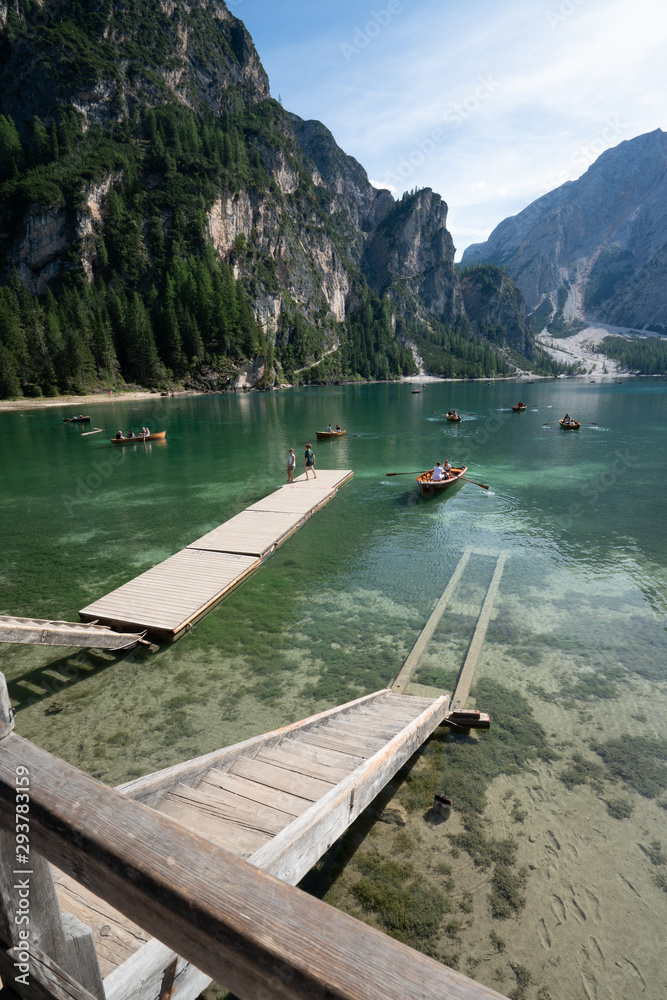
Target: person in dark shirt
x,y
310,461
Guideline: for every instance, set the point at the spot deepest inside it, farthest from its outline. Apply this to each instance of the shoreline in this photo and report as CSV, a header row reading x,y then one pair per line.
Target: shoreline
x,y
79,402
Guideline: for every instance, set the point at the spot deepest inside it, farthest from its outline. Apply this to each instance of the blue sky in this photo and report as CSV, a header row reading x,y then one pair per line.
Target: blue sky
x,y
489,104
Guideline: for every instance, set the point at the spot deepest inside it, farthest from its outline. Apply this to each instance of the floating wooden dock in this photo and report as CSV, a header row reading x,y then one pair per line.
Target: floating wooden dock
x,y
170,597
41,632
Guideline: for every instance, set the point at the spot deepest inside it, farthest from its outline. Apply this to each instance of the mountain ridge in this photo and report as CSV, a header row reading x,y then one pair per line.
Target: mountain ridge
x,y
596,247
172,223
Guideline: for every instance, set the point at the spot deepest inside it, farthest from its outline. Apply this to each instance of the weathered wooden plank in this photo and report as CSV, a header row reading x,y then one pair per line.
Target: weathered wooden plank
x,y
294,851
115,937
425,636
80,955
46,633
371,729
238,924
46,980
352,737
256,815
301,765
334,758
150,787
279,777
467,673
327,742
141,977
245,788
202,819
7,713
32,893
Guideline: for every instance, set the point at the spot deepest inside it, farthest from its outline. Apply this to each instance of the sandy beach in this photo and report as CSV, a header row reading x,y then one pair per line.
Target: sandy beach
x,y
79,403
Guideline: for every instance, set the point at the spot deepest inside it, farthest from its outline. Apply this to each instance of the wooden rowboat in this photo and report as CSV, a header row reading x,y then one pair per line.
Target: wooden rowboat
x,y
329,434
158,436
428,488
519,407
454,420
570,425
76,420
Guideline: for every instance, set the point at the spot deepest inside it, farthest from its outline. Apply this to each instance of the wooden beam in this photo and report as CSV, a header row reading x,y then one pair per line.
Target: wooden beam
x,y
81,960
45,980
241,926
28,889
467,673
143,975
7,713
419,648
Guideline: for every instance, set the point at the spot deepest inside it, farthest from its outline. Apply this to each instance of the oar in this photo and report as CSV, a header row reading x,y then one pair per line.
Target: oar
x,y
474,483
407,473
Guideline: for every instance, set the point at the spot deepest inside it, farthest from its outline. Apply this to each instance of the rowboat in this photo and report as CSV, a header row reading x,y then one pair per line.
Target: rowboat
x,y
520,406
569,425
415,391
158,436
428,487
453,419
467,718
329,434
76,420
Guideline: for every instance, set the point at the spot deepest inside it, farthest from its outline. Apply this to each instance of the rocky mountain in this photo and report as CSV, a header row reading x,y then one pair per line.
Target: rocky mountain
x,y
595,247
164,221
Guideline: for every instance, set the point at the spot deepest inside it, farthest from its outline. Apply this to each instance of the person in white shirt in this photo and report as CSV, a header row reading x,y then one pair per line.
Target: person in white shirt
x,y
447,468
437,473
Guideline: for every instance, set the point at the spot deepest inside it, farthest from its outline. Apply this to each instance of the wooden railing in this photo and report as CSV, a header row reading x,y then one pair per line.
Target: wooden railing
x,y
260,937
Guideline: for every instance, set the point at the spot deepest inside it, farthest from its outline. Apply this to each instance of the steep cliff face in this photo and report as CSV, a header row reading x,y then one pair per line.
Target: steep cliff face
x,y
410,257
595,245
496,308
108,59
138,136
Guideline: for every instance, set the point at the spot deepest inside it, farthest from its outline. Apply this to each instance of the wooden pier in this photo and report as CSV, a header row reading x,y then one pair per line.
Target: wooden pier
x,y
172,596
175,877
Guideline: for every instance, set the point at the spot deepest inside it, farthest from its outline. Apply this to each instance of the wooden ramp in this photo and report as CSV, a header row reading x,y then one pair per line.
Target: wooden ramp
x,y
279,801
243,927
170,597
40,632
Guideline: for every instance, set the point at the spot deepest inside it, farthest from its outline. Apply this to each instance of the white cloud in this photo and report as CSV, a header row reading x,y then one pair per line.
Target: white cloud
x,y
564,80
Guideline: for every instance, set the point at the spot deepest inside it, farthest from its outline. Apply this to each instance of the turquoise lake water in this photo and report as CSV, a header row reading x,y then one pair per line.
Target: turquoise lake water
x,y
579,628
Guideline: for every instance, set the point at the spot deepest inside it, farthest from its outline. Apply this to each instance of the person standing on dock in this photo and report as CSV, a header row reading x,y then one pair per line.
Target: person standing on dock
x,y
291,462
310,460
